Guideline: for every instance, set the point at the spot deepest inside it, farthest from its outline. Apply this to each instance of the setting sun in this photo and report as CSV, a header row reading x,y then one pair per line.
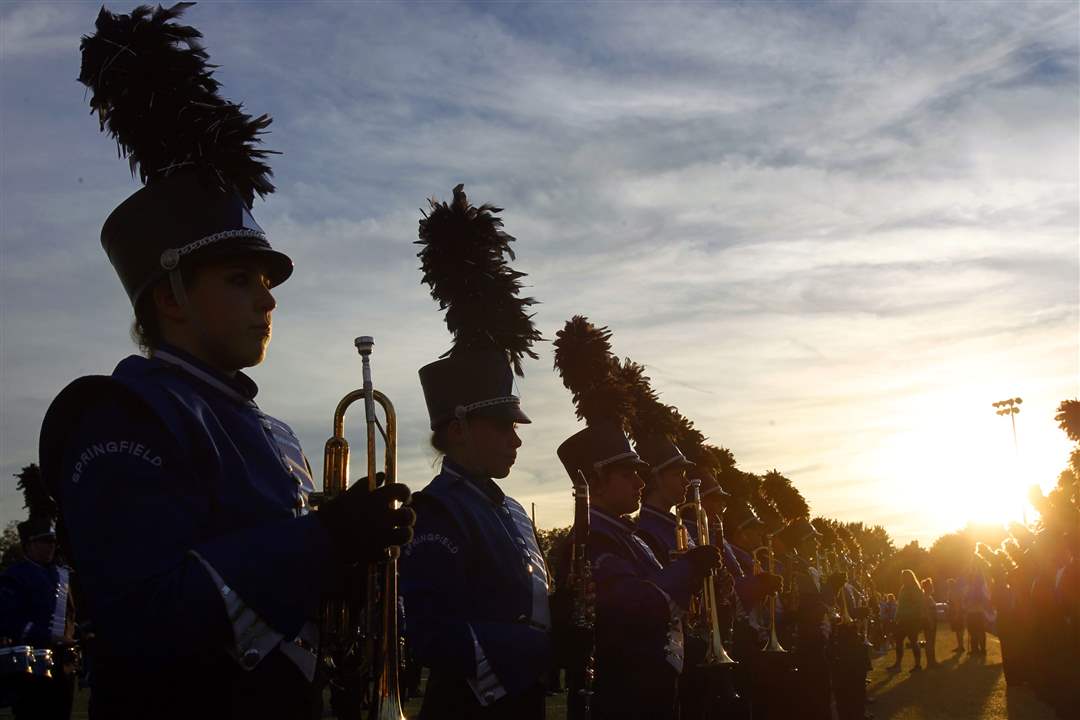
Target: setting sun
x,y
957,463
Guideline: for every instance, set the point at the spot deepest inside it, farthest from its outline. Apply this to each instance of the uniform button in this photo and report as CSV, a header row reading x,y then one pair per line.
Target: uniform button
x,y
250,658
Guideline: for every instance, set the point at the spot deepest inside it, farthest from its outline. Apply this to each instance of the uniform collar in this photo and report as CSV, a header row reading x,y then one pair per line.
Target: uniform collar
x,y
620,522
484,485
657,512
238,387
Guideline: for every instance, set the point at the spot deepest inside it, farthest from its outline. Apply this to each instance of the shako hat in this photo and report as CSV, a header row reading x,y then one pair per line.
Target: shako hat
x,y
796,531
464,261
660,452
596,447
36,528
709,484
196,153
584,361
740,515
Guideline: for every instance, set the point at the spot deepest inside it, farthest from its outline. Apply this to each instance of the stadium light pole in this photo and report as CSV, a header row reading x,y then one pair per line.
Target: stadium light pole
x,y
1011,407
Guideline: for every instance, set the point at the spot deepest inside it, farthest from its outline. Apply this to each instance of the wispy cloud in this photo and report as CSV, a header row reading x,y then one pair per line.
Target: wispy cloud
x,y
808,219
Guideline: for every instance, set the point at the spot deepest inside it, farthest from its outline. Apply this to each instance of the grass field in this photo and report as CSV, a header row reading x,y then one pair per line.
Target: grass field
x,y
962,688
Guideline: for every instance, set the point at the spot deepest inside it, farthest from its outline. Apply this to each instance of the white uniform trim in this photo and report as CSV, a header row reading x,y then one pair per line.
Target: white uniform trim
x,y
254,639
673,459
58,625
170,257
202,375
485,684
600,464
534,564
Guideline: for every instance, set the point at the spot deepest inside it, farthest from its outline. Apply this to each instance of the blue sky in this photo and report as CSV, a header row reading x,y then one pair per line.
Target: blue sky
x,y
835,233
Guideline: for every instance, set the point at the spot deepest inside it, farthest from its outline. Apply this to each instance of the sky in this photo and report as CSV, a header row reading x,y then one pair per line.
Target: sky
x,y
834,233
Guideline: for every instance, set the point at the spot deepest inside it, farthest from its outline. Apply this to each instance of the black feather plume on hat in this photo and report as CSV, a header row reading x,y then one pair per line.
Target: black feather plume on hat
x,y
650,416
154,92
464,260
36,498
584,361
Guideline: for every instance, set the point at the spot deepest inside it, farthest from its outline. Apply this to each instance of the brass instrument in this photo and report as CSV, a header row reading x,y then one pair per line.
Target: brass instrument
x,y
773,646
845,615
703,614
583,613
369,633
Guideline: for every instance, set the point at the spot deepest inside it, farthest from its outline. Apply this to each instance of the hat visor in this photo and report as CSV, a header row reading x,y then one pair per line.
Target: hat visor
x,y
278,265
504,411
634,461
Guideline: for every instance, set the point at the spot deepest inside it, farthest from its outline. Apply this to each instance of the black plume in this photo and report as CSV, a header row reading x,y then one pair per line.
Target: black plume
x,y
651,417
154,92
691,440
584,361
35,497
463,259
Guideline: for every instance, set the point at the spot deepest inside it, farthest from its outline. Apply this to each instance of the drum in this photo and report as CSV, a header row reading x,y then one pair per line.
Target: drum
x,y
17,659
43,663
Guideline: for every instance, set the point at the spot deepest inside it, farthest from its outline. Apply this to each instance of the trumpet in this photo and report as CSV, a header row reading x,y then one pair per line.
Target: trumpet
x,y
703,612
365,634
773,645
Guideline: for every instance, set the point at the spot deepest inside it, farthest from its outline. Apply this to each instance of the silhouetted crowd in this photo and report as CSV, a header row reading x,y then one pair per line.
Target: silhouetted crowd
x,y
1029,589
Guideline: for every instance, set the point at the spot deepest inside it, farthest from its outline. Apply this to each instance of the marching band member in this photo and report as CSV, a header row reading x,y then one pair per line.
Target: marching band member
x,y
665,489
639,602
808,616
36,608
474,581
183,503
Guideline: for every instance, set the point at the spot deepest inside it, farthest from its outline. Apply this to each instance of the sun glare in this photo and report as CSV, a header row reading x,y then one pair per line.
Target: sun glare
x,y
956,464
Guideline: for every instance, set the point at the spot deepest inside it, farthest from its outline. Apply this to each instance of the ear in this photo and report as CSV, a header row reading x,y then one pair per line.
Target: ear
x,y
166,304
455,432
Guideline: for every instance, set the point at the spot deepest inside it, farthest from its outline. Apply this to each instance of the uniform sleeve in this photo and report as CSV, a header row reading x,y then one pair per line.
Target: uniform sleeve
x,y
621,592
13,615
432,575
138,517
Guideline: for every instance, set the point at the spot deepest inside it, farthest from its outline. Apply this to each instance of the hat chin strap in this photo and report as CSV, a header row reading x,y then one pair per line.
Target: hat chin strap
x,y
176,282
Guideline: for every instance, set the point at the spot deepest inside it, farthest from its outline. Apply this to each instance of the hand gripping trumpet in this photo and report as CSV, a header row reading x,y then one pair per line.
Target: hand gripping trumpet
x,y
703,615
365,634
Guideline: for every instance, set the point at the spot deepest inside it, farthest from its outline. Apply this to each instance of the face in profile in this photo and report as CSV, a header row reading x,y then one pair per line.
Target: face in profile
x,y
485,445
620,488
234,305
672,485
41,550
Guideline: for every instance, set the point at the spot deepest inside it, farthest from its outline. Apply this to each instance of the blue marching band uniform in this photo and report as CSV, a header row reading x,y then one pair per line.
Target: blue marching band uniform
x,y
37,625
173,482
476,595
35,603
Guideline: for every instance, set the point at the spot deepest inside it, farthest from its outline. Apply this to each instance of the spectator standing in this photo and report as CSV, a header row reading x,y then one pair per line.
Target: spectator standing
x,y
930,623
976,611
910,608
955,597
888,620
